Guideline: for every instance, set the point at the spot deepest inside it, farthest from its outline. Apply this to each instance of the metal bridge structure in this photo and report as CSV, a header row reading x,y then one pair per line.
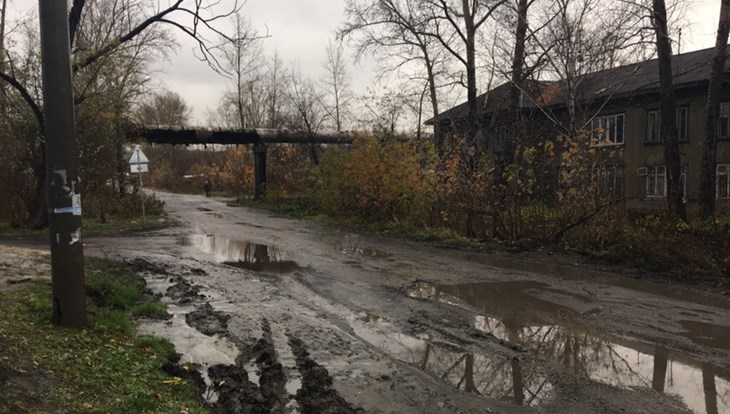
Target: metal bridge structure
x,y
258,138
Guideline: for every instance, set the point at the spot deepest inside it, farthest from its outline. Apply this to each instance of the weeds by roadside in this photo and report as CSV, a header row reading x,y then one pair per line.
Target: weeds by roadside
x,y
102,368
89,225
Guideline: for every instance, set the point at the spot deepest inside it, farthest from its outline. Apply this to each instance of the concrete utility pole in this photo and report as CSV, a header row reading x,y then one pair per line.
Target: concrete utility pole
x,y
64,198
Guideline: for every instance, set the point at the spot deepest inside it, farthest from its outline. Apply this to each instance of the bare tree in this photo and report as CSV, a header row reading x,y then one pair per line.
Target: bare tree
x,y
307,113
516,78
192,18
455,27
396,30
337,84
668,123
257,98
277,83
164,108
582,37
106,90
383,111
3,16
241,60
712,113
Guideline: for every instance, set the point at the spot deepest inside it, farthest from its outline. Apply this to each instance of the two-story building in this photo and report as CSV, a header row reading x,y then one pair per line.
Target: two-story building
x,y
622,104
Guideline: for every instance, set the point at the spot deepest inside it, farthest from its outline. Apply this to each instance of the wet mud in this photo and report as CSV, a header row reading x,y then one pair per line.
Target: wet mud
x,y
207,320
272,379
317,394
236,394
183,292
256,382
143,265
367,322
265,391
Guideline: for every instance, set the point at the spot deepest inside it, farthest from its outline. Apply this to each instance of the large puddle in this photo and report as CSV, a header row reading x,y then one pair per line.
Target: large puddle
x,y
543,328
243,254
581,273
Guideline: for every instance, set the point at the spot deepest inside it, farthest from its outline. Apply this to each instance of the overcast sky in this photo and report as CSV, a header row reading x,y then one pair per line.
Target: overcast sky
x,y
299,31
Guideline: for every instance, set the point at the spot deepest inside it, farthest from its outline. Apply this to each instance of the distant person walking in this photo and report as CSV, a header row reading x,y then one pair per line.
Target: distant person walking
x,y
207,188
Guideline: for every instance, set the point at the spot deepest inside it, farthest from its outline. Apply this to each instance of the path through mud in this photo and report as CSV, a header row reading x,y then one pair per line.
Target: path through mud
x,y
288,316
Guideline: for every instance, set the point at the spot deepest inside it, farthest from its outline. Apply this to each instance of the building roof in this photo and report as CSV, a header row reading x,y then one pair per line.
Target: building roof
x,y
690,69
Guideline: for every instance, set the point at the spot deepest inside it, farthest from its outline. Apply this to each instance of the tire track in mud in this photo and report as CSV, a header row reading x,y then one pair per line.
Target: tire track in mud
x,y
237,389
316,394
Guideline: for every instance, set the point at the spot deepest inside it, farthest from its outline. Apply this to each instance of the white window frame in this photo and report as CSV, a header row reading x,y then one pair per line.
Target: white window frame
x,y
723,121
611,180
608,129
655,174
656,181
722,182
653,125
683,130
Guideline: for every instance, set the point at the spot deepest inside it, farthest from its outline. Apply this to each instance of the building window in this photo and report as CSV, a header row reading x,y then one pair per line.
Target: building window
x,y
608,129
656,181
723,122
682,124
722,181
611,180
653,125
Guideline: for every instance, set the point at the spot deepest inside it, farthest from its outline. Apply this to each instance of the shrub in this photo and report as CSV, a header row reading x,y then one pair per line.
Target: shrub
x,y
386,181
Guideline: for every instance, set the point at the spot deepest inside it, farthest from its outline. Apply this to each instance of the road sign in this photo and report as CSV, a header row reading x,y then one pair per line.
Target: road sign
x,y
138,161
139,168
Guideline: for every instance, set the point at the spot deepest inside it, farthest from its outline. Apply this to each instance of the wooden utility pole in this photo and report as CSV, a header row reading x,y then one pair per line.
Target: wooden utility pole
x,y
64,198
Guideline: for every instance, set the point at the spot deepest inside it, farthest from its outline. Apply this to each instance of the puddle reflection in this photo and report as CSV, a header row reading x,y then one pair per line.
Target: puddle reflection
x,y
244,255
492,375
544,329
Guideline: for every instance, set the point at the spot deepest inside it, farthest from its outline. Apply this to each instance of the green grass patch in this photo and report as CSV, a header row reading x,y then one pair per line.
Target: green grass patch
x,y
101,369
154,309
111,285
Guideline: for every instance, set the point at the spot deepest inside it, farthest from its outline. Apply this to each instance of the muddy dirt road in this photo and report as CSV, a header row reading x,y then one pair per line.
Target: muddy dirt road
x,y
291,316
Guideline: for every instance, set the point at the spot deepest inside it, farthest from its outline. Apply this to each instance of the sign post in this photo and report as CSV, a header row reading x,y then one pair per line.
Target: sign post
x,y
139,164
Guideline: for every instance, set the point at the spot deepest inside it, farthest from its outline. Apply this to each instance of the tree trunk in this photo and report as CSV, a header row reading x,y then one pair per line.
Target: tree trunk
x,y
675,205
472,117
708,385
518,61
3,15
659,373
712,113
119,147
438,137
38,217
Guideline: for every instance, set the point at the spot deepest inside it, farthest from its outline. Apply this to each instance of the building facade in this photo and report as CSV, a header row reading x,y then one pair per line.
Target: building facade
x,y
622,106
